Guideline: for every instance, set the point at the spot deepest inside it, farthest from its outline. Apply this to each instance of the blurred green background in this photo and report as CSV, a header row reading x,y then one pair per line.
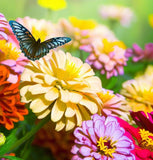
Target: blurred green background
x,y
139,31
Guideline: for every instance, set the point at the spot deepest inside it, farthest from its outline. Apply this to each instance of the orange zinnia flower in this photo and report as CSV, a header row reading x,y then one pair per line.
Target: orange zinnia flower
x,y
11,108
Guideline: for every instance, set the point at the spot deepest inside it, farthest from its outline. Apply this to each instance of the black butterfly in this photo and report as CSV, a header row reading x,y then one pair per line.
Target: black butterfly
x,y
30,47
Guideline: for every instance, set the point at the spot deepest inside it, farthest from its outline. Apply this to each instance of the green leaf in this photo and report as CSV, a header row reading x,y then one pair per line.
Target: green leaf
x,y
11,157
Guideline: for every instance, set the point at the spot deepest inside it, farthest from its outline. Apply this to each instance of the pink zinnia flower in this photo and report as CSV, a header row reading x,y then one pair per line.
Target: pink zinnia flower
x,y
108,57
4,28
117,13
100,139
137,53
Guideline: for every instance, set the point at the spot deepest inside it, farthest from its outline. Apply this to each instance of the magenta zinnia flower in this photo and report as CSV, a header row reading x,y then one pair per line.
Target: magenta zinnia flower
x,y
100,139
142,136
137,53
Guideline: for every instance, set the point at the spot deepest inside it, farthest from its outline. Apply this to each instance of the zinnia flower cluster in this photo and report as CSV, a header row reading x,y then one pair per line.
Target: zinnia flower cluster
x,y
61,85
101,138
84,32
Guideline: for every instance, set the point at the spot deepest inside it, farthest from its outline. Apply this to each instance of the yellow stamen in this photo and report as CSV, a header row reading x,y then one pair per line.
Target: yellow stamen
x,y
109,46
106,147
105,96
71,71
7,51
147,139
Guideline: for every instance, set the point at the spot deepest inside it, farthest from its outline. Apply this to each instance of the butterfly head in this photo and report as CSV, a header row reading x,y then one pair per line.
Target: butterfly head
x,y
39,40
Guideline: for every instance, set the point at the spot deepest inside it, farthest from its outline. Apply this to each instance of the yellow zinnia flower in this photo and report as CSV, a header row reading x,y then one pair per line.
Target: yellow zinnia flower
x,y
82,24
53,4
61,85
139,92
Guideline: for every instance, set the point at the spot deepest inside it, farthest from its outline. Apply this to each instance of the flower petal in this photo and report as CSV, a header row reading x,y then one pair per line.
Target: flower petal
x,y
58,111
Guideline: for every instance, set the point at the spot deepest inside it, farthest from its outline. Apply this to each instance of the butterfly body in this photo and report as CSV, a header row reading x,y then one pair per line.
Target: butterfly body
x,y
35,49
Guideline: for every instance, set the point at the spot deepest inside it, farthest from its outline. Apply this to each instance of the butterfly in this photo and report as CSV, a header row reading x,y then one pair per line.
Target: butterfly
x,y
34,49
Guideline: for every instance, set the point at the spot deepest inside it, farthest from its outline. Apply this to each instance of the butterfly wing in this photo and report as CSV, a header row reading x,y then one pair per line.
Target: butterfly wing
x,y
45,46
26,41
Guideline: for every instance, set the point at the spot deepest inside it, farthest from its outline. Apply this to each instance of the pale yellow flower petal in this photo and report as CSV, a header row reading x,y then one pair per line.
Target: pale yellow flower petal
x,y
70,123
75,60
75,97
39,105
60,59
38,78
64,96
89,105
43,114
38,89
95,83
78,116
26,76
60,125
86,70
52,94
49,79
85,112
58,111
70,112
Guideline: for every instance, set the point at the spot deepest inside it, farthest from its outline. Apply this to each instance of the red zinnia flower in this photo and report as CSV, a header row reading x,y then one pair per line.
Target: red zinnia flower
x,y
142,136
11,108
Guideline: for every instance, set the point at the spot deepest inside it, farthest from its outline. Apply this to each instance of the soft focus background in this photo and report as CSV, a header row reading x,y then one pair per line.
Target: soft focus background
x,y
139,31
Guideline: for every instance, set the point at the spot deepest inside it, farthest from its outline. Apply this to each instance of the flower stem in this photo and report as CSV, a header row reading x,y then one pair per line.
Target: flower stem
x,y
30,133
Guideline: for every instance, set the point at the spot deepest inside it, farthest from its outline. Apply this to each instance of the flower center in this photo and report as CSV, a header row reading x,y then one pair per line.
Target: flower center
x,y
105,96
146,139
39,34
7,51
82,24
106,147
71,71
109,46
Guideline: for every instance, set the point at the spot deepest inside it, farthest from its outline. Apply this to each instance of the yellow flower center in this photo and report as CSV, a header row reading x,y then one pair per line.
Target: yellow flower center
x,y
39,34
106,147
82,24
109,46
71,71
148,94
105,96
7,51
147,139
53,4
